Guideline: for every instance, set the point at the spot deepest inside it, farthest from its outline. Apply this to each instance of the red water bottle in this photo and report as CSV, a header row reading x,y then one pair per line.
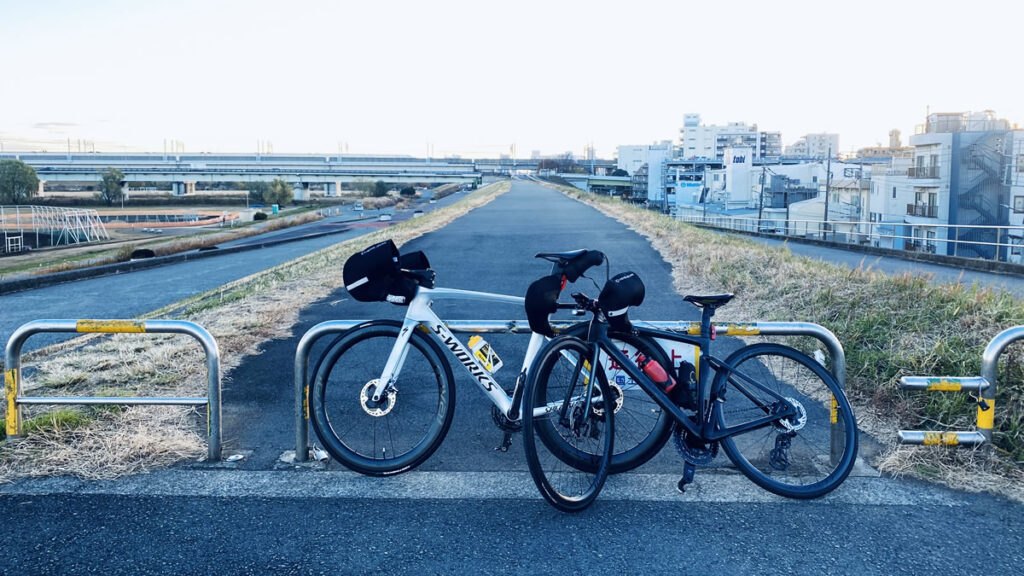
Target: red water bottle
x,y
655,372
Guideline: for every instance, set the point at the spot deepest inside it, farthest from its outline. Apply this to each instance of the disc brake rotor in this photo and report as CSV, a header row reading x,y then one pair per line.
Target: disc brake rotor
x,y
794,423
380,408
617,394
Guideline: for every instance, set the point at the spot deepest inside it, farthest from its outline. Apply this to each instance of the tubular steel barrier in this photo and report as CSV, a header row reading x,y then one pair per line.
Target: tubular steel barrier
x,y
822,334
12,373
985,385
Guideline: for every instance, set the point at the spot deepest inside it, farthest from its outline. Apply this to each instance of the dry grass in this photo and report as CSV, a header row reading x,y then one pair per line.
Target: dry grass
x,y
241,315
890,326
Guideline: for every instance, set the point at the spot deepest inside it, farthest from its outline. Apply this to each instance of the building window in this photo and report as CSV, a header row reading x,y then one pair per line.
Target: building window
x,y
1018,204
1020,163
893,191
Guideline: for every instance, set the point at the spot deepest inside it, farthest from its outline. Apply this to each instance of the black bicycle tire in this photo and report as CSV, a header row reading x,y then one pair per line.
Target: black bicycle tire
x,y
551,494
843,410
659,434
336,447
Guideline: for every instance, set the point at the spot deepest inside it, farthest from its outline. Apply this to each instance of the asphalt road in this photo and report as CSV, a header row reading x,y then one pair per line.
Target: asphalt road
x,y
470,509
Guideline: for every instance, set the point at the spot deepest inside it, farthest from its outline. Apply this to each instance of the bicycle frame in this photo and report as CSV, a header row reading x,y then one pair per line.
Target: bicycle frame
x,y
421,315
704,426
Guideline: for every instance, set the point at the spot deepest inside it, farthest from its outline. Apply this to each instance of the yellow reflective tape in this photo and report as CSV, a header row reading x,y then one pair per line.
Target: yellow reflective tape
x,y
742,330
694,329
941,438
944,384
696,363
835,410
305,401
11,391
111,326
986,418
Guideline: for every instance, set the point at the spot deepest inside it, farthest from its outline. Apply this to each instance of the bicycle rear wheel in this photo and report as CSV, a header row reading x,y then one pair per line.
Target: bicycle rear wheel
x,y
796,457
406,426
566,423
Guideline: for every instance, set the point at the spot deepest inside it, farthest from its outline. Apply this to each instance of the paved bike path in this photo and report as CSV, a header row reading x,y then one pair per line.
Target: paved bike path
x,y
490,249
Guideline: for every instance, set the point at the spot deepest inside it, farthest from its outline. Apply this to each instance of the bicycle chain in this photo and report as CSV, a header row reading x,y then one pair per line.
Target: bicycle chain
x,y
502,421
697,456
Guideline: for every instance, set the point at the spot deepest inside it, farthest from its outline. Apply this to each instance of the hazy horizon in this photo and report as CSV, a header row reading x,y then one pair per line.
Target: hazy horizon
x,y
470,79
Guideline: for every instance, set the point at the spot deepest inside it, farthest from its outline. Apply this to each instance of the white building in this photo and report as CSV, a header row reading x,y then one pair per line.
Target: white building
x,y
815,146
632,157
699,141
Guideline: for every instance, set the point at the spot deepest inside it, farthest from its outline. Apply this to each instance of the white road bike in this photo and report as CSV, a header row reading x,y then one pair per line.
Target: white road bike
x,y
383,396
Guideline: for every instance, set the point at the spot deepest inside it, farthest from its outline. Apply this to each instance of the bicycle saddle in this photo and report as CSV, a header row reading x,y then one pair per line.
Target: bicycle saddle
x,y
560,256
713,301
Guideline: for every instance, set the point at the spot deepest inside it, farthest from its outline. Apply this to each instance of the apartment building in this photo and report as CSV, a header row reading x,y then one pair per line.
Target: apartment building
x,y
816,146
958,184
698,141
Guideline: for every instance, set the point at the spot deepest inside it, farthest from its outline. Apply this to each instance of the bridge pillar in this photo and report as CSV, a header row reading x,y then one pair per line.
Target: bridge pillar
x,y
42,188
178,188
190,188
300,191
331,189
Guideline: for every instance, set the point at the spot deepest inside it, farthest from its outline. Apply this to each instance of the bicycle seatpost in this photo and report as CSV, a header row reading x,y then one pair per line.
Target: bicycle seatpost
x,y
706,312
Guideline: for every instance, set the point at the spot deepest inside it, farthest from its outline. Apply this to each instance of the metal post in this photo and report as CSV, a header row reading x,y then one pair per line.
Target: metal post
x,y
989,365
12,373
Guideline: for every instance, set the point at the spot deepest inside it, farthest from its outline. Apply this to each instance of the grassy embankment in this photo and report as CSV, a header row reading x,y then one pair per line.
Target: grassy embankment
x,y
106,442
890,326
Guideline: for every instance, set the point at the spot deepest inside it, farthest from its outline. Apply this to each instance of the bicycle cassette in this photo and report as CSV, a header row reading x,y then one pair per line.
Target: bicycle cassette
x,y
692,449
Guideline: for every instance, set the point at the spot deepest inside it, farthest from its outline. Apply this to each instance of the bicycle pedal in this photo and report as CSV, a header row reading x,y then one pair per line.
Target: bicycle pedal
x,y
506,443
689,470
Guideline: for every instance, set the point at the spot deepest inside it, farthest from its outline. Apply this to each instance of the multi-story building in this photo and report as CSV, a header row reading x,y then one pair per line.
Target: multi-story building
x,y
950,194
815,146
699,141
631,158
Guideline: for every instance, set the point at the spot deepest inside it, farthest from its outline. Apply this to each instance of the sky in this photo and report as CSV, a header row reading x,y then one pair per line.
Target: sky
x,y
481,78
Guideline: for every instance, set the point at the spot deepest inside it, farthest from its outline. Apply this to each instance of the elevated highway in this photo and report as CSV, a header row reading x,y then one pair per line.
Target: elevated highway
x,y
183,171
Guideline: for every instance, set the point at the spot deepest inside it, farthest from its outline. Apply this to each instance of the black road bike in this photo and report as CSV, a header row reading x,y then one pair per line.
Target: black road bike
x,y
778,414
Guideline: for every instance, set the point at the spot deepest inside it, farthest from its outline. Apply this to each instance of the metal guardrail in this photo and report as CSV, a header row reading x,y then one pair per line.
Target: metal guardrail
x,y
12,371
985,385
822,334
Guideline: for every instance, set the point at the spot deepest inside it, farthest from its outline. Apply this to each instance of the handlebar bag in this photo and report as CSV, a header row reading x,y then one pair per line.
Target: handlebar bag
x,y
369,275
620,293
541,301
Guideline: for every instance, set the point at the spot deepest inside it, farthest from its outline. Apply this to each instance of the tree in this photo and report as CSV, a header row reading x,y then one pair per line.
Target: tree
x,y
18,182
407,191
112,186
257,190
619,172
279,192
364,186
380,189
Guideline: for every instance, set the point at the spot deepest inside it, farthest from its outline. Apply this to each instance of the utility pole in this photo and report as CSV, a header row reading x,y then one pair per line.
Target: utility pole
x,y
760,197
828,190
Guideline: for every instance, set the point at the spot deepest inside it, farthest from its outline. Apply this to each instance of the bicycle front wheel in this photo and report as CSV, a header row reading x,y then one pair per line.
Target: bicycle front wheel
x,y
403,428
802,456
642,427
568,428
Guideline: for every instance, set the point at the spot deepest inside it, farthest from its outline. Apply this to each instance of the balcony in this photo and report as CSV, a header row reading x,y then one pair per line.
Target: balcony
x,y
919,246
923,172
923,210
